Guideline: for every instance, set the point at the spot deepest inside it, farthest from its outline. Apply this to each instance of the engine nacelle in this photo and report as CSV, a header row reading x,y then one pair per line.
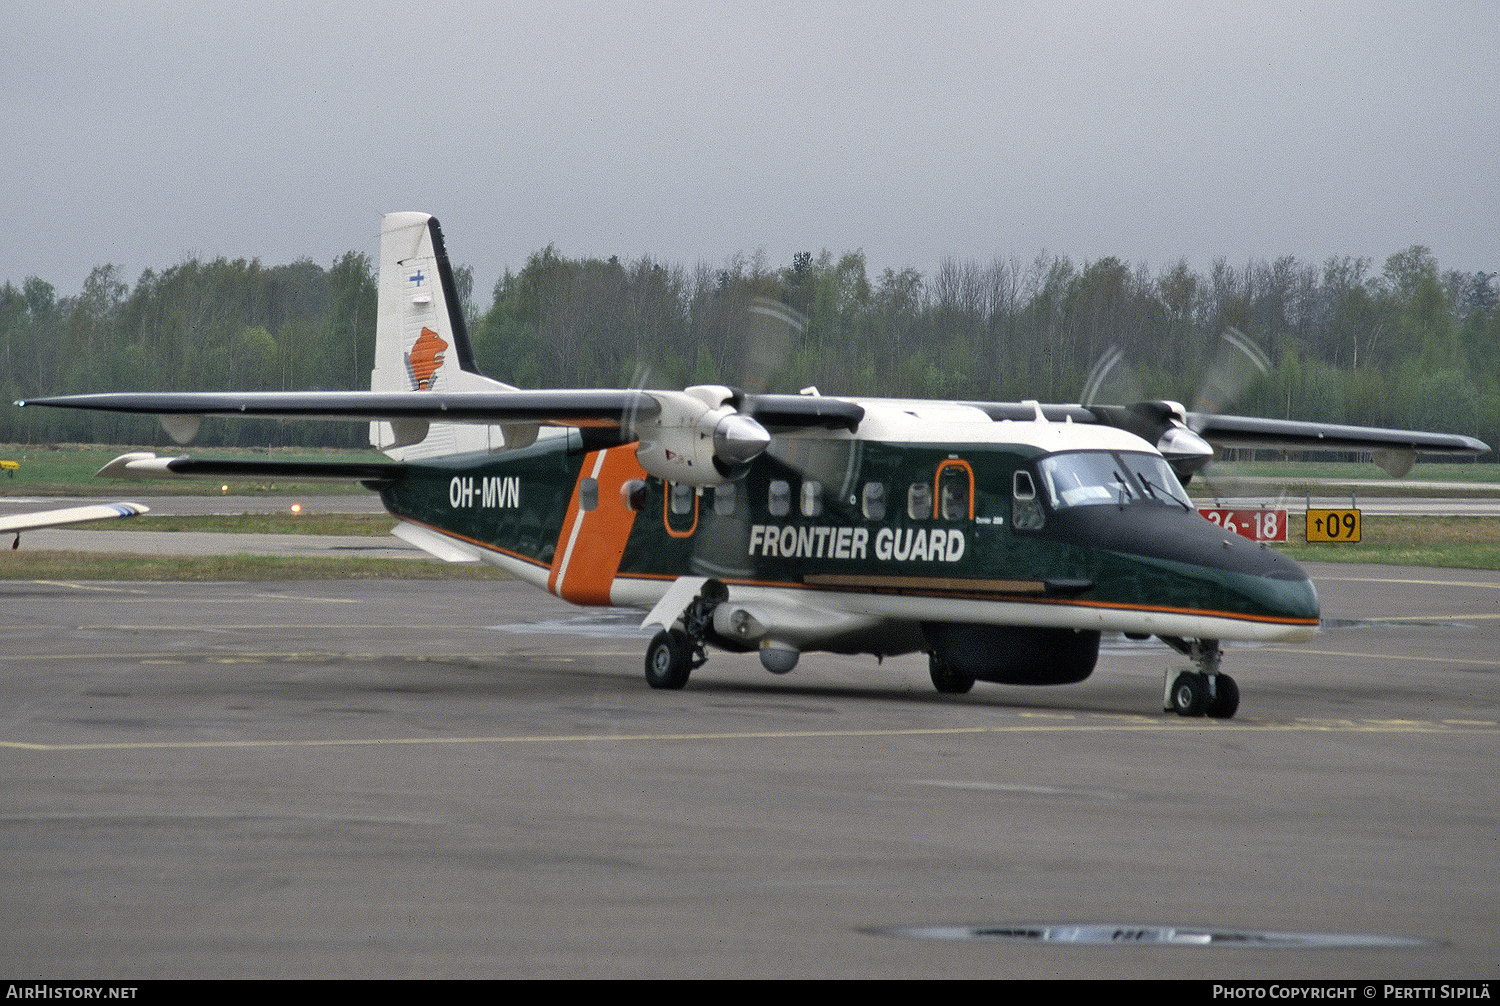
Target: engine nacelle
x,y
1015,654
696,438
1164,424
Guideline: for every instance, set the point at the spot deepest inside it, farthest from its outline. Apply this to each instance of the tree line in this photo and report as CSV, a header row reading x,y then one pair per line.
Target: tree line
x,y
1404,345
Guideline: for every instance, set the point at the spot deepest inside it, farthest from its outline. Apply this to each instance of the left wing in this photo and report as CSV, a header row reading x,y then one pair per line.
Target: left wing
x,y
146,465
1291,434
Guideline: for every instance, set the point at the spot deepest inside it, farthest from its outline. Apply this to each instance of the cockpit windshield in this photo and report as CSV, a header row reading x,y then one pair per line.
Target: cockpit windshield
x,y
1085,478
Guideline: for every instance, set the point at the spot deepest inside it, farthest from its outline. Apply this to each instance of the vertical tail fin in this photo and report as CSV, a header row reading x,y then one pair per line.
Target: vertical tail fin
x,y
421,342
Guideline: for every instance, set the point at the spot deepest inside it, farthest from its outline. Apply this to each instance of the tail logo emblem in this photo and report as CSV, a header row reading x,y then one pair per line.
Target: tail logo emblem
x,y
425,358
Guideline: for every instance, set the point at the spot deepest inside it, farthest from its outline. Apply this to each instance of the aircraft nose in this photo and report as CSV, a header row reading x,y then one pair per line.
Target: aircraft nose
x,y
1179,562
1261,583
1294,599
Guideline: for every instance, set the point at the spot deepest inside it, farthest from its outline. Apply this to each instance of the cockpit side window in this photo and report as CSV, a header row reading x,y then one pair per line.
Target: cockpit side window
x,y
1026,509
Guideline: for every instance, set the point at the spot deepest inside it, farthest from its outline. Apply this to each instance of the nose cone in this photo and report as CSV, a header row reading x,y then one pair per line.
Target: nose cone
x,y
1223,573
1292,603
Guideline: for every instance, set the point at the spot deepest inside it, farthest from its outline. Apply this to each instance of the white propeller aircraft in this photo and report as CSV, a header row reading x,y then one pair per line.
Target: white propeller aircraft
x,y
999,538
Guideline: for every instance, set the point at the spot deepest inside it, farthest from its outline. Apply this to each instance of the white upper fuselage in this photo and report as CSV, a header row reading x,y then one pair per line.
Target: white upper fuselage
x,y
927,421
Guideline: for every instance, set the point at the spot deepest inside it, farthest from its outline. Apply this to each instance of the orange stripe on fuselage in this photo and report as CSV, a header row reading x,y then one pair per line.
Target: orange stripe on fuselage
x,y
592,542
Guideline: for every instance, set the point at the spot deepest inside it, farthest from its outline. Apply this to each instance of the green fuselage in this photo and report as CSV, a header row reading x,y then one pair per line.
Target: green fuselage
x,y
844,517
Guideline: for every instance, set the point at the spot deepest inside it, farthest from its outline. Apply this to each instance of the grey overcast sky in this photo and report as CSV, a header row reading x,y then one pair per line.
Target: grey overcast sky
x,y
141,134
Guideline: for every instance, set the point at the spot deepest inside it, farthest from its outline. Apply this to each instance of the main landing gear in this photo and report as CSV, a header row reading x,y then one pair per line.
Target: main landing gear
x,y
1203,691
676,653
946,678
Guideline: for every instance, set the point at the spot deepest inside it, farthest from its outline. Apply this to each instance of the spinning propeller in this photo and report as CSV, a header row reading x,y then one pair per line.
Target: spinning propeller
x,y
1174,430
710,434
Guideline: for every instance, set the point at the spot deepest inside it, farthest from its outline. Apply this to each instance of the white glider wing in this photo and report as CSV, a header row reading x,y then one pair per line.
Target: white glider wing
x,y
71,515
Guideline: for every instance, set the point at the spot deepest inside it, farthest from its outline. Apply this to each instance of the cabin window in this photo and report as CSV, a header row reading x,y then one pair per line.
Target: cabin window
x,y
955,501
1026,510
588,495
872,502
955,490
635,495
724,500
919,501
812,498
953,493
682,498
779,498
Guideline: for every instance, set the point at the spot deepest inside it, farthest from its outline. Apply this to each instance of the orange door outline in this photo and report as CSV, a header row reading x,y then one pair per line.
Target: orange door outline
x,y
937,487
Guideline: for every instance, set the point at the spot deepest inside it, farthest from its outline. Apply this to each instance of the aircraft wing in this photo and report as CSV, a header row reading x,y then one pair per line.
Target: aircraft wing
x,y
561,408
71,515
795,412
578,408
1187,439
1286,434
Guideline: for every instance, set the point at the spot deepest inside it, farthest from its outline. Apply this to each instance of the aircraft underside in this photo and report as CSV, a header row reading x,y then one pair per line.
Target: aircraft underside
x,y
969,637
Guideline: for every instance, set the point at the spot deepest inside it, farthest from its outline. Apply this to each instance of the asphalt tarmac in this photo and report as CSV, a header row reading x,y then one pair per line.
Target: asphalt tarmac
x,y
423,779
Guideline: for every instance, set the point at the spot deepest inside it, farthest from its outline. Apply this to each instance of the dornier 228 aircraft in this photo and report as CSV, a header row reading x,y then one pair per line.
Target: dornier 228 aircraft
x,y
999,538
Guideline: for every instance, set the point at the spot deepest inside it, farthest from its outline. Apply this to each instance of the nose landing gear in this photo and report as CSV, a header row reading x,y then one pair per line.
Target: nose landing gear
x,y
1203,691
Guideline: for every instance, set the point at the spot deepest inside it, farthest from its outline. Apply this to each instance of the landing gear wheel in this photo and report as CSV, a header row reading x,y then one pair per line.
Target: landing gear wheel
x,y
1190,694
669,659
947,680
1226,700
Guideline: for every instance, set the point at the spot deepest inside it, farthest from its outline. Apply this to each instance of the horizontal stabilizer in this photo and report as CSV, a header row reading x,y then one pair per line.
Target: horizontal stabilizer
x,y
434,544
145,465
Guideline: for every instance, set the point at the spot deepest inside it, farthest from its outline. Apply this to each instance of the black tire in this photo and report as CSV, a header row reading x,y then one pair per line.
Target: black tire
x,y
947,680
669,660
1190,694
1226,700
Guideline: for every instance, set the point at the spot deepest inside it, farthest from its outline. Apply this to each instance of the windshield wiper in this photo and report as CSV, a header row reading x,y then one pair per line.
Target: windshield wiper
x,y
1152,487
